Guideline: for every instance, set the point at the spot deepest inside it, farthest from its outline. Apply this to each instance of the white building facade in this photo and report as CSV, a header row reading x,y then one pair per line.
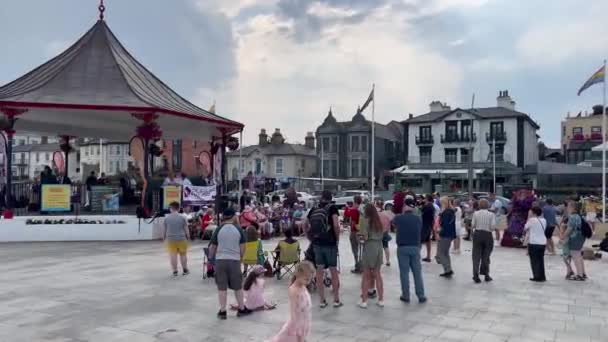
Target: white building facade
x,y
442,142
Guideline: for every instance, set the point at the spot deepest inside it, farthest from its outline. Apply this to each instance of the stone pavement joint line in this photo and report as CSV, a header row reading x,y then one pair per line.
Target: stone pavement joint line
x,y
123,291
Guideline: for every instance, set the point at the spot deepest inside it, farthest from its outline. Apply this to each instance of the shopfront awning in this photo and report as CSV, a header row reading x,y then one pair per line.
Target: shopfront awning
x,y
403,171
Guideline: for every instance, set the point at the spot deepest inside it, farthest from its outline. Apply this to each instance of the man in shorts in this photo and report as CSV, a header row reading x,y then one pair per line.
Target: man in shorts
x,y
227,246
176,238
325,235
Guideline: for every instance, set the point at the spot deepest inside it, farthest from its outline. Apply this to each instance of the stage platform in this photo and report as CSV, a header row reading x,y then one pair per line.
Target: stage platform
x,y
106,228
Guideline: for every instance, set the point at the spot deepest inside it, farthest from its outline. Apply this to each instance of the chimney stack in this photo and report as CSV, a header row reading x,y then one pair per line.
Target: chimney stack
x,y
437,106
277,137
504,100
309,141
263,138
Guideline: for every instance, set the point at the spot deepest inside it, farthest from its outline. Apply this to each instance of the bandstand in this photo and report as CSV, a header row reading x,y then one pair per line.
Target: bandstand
x,y
97,89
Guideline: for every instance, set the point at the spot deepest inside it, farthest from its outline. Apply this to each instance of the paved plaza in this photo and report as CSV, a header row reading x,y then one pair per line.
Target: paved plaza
x,y
123,292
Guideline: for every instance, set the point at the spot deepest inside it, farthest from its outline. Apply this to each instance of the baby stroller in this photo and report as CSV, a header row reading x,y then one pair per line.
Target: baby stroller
x,y
208,264
309,255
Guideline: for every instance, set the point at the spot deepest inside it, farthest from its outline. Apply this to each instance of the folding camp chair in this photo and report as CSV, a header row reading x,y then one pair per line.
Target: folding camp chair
x,y
252,255
288,258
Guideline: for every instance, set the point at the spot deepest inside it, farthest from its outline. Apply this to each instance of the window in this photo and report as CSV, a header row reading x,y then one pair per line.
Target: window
x,y
86,151
278,166
47,156
117,167
354,167
451,155
425,155
563,131
241,165
176,152
21,142
496,129
364,143
354,143
465,129
577,130
500,150
596,129
464,155
258,166
451,129
303,164
325,168
325,144
334,144
37,157
425,132
98,151
334,168
117,150
194,144
363,167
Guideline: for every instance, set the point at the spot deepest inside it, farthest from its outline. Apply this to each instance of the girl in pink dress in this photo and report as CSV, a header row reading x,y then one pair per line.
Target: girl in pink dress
x,y
298,327
254,291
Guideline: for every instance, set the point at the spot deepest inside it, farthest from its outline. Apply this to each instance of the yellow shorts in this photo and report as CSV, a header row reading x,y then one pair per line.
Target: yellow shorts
x,y
177,247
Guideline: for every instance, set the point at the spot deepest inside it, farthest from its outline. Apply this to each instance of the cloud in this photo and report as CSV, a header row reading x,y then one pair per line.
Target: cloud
x,y
287,84
574,32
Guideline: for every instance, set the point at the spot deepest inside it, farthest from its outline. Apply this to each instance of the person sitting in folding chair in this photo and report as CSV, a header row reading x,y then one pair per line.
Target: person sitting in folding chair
x,y
254,253
286,255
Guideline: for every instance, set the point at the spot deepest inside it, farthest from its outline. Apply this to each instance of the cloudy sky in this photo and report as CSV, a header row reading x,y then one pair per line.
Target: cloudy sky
x,y
283,63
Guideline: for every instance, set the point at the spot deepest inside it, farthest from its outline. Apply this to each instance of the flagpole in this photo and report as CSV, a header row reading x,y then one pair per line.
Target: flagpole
x,y
322,165
605,112
373,185
494,163
240,162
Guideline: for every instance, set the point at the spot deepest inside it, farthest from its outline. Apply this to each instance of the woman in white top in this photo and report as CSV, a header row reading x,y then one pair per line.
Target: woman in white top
x,y
537,241
459,226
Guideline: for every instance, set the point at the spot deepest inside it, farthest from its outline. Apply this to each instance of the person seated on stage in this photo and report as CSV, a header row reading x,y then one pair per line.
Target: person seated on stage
x,y
289,240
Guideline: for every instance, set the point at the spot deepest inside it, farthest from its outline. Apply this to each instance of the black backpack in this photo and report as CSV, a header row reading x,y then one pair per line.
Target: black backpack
x,y
319,229
586,228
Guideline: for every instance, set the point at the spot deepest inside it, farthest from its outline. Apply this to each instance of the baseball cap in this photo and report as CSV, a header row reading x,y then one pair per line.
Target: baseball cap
x,y
410,202
228,213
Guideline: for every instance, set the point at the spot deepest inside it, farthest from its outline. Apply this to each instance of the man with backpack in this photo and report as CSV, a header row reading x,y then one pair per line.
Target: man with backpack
x,y
324,234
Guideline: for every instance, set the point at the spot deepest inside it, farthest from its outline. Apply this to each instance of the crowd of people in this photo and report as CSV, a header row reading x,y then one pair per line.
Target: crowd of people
x,y
415,221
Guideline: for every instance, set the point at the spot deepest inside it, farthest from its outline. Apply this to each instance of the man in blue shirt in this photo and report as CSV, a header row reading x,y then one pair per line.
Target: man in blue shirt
x,y
408,227
550,215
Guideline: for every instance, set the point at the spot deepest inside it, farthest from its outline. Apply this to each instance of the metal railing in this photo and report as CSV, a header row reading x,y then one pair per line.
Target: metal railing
x,y
26,197
499,137
458,138
425,140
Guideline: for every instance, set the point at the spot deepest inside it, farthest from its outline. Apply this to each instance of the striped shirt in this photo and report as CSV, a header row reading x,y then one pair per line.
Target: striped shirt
x,y
484,220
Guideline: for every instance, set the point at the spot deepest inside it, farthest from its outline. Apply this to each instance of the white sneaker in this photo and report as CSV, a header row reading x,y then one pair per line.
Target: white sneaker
x,y
380,303
362,305
456,251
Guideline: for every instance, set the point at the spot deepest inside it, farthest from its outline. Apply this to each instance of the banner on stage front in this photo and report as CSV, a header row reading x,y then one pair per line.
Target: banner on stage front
x,y
199,194
171,194
55,197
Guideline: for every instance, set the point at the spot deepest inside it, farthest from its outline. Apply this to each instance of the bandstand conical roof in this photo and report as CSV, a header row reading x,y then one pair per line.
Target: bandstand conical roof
x,y
93,88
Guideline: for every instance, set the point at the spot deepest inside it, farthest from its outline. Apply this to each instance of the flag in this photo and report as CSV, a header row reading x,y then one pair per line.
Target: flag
x,y
370,98
598,77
